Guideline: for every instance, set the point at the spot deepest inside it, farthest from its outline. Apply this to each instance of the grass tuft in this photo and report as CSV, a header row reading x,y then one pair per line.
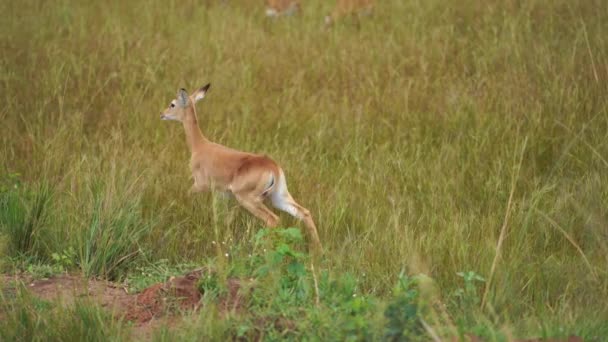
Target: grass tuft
x,y
111,237
23,219
26,318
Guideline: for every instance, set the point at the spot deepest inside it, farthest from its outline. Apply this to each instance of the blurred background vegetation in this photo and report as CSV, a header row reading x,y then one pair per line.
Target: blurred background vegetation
x,y
416,136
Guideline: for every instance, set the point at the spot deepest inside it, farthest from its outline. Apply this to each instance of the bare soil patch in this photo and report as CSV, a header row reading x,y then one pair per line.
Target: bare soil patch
x,y
176,295
157,305
473,338
68,288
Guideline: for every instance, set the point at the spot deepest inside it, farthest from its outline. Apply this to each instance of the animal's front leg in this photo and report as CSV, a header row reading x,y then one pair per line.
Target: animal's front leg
x,y
198,187
225,195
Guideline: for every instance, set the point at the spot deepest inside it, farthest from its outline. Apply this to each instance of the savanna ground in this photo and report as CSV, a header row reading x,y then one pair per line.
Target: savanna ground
x,y
453,153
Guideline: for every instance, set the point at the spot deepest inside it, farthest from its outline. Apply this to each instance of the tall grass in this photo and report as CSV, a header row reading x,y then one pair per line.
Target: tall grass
x,y
415,137
23,215
112,230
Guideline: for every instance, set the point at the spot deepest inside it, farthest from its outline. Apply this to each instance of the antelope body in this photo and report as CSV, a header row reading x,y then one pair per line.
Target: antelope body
x,y
349,7
275,8
251,178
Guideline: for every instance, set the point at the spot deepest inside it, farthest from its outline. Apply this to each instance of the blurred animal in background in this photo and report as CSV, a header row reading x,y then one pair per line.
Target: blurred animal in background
x,y
277,8
345,8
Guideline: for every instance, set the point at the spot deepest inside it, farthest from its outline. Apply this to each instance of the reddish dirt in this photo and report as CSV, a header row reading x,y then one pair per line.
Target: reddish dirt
x,y
235,299
177,294
157,305
472,338
67,288
569,339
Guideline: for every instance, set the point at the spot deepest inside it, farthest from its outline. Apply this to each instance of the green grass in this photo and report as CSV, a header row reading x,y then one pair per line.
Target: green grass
x,y
22,219
417,138
26,318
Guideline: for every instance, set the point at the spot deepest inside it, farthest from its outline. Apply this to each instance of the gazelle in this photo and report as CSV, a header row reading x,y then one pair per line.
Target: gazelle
x,y
251,178
276,8
349,7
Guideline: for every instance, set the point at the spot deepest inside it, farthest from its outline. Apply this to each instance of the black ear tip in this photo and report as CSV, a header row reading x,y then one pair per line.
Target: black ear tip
x,y
206,86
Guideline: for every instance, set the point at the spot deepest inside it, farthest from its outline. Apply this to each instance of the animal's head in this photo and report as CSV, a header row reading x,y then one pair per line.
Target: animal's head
x,y
294,8
182,103
277,8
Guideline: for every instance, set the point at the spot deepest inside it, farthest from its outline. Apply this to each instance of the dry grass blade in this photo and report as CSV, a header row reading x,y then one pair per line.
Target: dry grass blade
x,y
570,239
505,224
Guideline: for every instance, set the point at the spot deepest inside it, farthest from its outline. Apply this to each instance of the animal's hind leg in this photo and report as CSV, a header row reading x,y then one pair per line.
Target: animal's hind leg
x,y
283,201
258,209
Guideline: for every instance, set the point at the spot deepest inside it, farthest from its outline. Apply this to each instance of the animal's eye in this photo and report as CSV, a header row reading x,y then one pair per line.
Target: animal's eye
x,y
172,105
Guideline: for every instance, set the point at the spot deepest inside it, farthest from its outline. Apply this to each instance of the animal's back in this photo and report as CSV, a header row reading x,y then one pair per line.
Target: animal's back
x,y
282,7
220,160
346,7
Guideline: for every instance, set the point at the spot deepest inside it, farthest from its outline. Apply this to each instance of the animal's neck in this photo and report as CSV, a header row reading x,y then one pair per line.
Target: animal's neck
x,y
194,136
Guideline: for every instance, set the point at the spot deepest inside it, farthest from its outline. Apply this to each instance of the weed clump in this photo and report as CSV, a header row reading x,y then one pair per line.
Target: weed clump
x,y
281,296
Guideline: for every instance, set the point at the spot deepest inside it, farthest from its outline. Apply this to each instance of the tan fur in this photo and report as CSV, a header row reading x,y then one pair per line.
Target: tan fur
x,y
282,7
349,7
252,178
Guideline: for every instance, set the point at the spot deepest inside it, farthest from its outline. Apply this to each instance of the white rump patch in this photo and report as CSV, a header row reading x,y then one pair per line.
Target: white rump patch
x,y
271,12
280,198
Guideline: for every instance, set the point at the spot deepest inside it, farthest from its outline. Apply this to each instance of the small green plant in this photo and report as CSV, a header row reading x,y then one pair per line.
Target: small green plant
x,y
211,286
3,251
142,276
10,181
282,265
403,313
466,300
65,259
340,293
285,292
39,271
279,286
468,296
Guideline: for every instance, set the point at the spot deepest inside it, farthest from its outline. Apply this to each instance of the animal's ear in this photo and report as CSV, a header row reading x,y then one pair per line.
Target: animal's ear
x,y
200,93
182,98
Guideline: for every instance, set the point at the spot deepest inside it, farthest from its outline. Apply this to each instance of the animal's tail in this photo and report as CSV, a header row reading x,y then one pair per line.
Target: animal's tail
x,y
275,177
270,186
